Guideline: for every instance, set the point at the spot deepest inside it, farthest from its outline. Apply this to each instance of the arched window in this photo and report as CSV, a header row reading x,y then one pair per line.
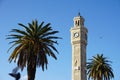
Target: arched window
x,y
78,22
75,22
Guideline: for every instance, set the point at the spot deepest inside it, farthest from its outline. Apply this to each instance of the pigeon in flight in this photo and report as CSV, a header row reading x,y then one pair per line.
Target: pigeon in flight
x,y
15,74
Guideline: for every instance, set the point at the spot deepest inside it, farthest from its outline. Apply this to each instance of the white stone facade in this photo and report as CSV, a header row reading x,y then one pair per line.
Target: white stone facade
x,y
79,43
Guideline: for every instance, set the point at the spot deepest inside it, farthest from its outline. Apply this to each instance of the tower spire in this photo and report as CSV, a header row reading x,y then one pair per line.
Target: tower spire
x,y
78,20
78,13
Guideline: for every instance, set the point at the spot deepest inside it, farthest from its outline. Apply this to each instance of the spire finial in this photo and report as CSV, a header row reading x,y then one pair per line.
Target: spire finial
x,y
78,13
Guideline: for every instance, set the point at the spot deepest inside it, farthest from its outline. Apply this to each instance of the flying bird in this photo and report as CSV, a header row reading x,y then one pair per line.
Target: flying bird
x,y
15,74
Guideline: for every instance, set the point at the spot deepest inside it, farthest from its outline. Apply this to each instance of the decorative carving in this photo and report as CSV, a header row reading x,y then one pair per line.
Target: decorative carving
x,y
75,62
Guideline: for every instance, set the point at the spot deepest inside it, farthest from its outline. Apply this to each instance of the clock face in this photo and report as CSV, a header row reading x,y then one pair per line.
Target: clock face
x,y
76,34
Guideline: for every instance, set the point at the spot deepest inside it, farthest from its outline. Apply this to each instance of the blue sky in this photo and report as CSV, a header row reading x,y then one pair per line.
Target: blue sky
x,y
102,18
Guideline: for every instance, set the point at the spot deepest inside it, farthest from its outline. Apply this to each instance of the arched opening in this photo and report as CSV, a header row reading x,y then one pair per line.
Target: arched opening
x,y
78,22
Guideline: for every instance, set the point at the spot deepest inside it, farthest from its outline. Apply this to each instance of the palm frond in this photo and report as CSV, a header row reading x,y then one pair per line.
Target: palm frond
x,y
49,33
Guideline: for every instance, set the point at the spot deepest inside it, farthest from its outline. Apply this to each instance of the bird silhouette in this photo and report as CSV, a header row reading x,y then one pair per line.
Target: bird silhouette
x,y
15,74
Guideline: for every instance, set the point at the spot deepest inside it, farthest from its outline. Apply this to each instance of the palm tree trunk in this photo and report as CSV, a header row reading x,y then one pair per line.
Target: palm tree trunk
x,y
31,68
100,78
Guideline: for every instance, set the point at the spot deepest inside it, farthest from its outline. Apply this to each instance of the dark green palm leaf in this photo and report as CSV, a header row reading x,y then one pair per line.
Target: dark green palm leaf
x,y
19,32
40,26
53,37
27,29
50,33
14,36
44,30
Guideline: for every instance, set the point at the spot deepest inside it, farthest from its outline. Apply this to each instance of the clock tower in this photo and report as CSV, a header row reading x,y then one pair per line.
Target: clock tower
x,y
79,43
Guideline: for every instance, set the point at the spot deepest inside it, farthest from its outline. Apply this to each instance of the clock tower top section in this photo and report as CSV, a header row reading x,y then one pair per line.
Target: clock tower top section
x,y
78,21
79,31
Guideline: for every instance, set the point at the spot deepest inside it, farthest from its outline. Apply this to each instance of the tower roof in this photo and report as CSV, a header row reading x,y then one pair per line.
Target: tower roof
x,y
78,20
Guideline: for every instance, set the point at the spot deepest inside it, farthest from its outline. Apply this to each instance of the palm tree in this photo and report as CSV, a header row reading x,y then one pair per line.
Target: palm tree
x,y
32,46
99,68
